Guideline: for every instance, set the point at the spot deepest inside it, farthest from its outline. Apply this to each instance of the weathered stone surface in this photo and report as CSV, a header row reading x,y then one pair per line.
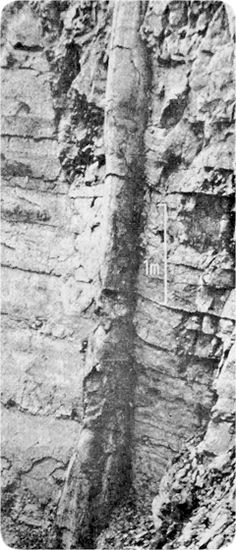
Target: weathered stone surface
x,y
50,252
103,382
189,168
198,488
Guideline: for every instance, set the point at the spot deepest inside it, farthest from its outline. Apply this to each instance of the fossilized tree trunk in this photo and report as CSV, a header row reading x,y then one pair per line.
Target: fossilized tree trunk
x,y
100,471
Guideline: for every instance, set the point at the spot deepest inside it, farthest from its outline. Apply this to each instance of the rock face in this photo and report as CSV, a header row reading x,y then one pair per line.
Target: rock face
x,y
53,189
115,115
189,168
195,507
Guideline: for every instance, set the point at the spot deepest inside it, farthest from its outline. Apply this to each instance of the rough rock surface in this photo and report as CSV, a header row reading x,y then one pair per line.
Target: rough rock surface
x,y
195,507
104,383
189,153
53,187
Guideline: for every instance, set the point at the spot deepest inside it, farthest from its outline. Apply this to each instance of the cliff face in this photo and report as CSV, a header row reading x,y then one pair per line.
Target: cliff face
x,y
118,147
189,153
53,170
196,503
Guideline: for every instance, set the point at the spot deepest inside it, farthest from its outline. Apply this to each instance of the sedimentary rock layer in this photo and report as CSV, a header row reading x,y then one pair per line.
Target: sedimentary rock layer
x,y
189,143
112,112
53,187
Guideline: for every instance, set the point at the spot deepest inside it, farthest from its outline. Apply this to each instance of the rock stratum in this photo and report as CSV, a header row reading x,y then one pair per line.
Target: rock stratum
x,y
113,114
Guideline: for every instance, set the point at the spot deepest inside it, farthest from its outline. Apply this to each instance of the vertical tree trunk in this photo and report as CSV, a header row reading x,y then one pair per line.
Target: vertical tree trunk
x,y
100,471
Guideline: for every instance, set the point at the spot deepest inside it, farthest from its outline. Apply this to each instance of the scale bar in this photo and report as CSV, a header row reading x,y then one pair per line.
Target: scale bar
x,y
165,254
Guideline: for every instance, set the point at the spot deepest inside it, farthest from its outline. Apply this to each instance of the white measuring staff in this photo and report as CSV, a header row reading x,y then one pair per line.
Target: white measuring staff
x,y
165,253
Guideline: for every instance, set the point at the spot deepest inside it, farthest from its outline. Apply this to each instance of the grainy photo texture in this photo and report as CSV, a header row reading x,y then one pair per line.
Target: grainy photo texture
x,y
118,274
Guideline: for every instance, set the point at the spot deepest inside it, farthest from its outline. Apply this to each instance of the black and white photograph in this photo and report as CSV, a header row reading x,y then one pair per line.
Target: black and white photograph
x,y
118,275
